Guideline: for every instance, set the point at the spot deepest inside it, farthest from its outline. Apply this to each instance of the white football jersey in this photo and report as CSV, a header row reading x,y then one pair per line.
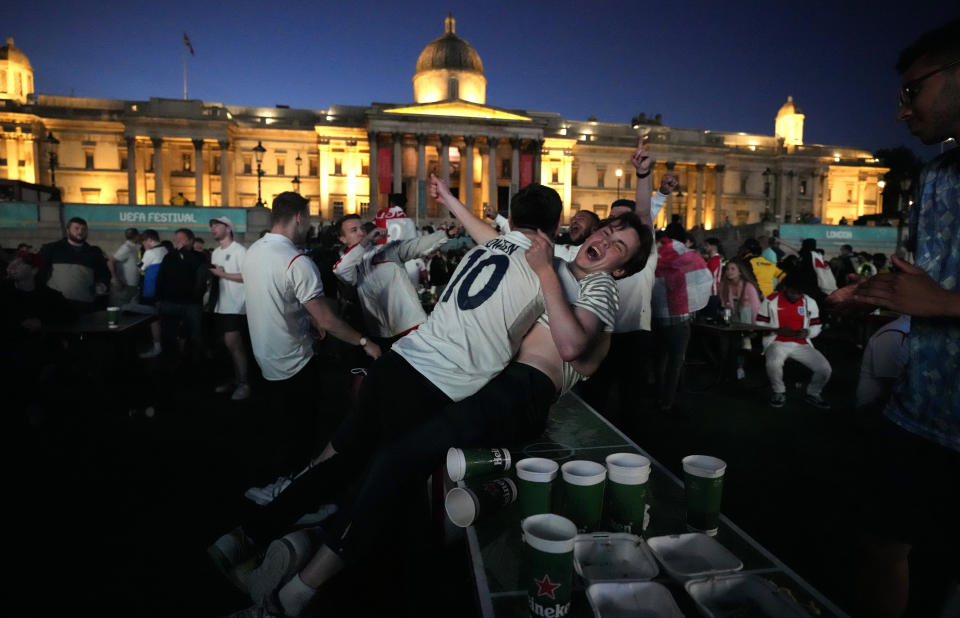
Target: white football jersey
x,y
492,300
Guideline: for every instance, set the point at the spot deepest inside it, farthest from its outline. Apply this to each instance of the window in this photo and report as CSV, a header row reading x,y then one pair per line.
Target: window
x,y
29,84
3,81
626,180
281,166
506,168
216,163
22,163
3,161
744,181
88,159
186,161
364,167
364,209
601,210
601,173
149,165
573,176
313,167
18,83
803,187
247,164
337,209
555,174
453,88
338,166
123,162
849,194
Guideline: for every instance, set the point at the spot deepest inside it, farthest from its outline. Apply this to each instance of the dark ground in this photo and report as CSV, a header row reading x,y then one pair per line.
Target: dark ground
x,y
113,512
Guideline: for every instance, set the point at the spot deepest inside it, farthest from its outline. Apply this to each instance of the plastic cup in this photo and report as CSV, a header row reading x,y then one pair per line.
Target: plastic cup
x,y
583,485
703,484
627,476
548,563
535,483
465,505
474,462
113,317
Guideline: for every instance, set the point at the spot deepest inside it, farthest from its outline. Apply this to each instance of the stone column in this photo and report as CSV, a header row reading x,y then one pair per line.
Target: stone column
x,y
793,195
861,194
818,189
492,170
158,180
224,174
537,164
13,158
699,213
397,162
668,207
350,164
718,200
374,175
421,175
131,170
323,169
444,152
466,172
567,182
514,166
198,171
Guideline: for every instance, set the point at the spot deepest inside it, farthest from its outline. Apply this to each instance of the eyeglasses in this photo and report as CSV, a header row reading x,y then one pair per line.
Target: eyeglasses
x,y
909,91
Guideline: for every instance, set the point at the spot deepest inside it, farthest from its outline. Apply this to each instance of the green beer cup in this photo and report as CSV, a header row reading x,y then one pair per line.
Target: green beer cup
x,y
474,462
535,483
627,476
113,317
465,505
583,484
547,568
703,483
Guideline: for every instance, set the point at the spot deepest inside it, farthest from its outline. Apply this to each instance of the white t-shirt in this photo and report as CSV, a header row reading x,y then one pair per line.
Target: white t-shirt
x,y
492,300
151,257
232,298
884,358
126,257
278,280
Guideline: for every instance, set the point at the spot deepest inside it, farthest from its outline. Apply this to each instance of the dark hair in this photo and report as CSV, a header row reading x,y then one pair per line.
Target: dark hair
x,y
941,45
639,259
398,199
286,206
752,245
186,232
676,232
713,240
808,245
594,218
131,233
151,234
342,220
368,227
536,207
624,203
879,260
847,248
792,281
199,240
79,220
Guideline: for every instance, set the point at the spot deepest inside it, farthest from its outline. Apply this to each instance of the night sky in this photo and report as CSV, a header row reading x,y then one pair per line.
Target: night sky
x,y
724,66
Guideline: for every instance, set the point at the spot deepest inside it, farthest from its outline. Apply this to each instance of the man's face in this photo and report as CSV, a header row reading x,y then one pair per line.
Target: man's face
x,y
149,243
351,232
791,294
933,113
608,250
303,227
198,245
180,240
77,233
18,270
219,231
581,226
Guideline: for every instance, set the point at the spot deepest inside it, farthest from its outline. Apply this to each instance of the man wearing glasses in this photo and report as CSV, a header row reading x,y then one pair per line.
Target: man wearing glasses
x,y
916,434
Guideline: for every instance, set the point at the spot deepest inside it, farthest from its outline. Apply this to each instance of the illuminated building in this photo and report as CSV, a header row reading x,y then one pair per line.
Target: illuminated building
x,y
149,152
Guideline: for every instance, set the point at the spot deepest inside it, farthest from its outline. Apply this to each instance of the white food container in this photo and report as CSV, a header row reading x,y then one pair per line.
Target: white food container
x,y
693,555
613,556
720,596
632,600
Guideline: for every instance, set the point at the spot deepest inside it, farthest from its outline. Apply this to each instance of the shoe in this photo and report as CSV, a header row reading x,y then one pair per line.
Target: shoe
x,y
265,495
153,353
778,399
318,517
225,388
817,401
229,551
284,559
741,374
242,392
260,611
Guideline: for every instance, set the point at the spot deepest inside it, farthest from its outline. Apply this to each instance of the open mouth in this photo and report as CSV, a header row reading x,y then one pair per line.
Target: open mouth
x,y
593,253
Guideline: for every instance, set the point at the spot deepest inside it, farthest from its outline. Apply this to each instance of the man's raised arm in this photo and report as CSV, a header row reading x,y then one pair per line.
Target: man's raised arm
x,y
479,231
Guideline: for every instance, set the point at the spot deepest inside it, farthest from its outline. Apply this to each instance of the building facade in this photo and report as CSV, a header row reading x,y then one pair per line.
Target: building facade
x,y
345,159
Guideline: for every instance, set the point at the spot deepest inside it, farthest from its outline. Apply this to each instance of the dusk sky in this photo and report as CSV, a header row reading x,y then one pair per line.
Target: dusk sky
x,y
724,66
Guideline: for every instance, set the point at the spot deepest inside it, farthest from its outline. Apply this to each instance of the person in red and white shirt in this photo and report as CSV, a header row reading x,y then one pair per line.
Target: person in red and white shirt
x,y
711,247
796,318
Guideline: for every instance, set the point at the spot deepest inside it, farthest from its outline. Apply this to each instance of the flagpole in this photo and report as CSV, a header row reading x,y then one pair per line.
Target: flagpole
x,y
183,54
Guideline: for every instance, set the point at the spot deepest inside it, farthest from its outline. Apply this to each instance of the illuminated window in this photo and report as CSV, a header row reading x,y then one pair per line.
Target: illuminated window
x,y
573,176
123,161
601,173
453,88
364,167
506,168
849,195
364,209
338,167
216,163
186,162
18,83
3,161
337,209
313,167
803,187
22,163
149,164
88,159
626,180
281,166
247,164
3,81
555,174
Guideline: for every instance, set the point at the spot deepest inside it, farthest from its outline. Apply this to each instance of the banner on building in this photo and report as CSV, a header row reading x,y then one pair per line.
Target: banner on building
x,y
18,215
385,170
526,170
861,238
100,217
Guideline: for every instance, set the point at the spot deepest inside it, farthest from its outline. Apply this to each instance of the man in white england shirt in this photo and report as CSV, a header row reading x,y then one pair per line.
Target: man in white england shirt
x,y
231,308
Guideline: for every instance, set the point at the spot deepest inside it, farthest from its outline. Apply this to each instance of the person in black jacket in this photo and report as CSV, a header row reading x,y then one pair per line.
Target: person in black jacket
x,y
180,293
76,269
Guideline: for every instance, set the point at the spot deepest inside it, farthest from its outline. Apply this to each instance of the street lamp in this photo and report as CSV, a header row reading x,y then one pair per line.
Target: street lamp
x,y
619,173
296,179
52,144
258,153
880,185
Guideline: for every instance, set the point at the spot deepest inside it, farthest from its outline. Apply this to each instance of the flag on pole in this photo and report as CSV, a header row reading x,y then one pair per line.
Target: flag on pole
x,y
186,41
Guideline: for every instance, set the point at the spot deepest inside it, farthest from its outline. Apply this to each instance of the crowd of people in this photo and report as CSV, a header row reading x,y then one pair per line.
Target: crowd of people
x,y
466,335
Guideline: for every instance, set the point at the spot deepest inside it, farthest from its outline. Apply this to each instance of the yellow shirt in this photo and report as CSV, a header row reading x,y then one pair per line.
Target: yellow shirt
x,y
766,273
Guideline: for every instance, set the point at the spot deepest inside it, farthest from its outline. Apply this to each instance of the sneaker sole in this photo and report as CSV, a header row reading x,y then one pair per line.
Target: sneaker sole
x,y
283,559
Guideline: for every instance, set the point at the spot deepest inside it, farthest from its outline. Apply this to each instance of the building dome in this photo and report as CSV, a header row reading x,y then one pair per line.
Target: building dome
x,y
16,73
789,108
449,68
449,52
789,123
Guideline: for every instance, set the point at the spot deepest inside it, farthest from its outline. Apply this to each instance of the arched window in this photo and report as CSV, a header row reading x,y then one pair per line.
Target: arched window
x,y
453,88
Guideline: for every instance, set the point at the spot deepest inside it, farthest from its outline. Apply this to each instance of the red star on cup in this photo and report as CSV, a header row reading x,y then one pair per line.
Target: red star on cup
x,y
546,587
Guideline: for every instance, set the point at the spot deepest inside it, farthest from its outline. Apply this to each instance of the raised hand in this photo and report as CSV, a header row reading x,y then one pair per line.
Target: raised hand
x,y
668,184
641,159
489,211
439,190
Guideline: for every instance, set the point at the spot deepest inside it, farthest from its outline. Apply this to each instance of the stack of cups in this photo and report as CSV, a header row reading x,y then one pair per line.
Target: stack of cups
x,y
583,485
535,477
474,462
627,474
703,482
466,505
113,317
548,563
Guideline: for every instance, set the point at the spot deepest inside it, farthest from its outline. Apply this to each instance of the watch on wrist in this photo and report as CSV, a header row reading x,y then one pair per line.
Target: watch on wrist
x,y
639,175
363,341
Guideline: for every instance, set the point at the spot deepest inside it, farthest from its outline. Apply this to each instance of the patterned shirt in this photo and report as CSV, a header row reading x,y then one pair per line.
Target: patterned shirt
x,y
926,401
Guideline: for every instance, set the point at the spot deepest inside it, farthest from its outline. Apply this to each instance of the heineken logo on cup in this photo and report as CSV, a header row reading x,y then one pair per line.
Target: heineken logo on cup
x,y
545,587
548,564
474,462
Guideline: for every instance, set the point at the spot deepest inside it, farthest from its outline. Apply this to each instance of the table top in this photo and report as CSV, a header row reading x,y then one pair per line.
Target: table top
x,y
96,323
735,327
575,431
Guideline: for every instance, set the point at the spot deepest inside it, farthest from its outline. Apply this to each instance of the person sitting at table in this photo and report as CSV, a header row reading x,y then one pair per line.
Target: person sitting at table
x,y
738,291
77,269
796,317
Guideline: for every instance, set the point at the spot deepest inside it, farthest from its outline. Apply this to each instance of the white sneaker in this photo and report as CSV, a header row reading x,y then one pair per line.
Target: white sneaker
x,y
153,353
741,374
242,392
225,388
265,495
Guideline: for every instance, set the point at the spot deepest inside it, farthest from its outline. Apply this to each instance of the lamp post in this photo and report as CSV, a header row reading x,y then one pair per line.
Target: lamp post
x,y
258,153
619,174
880,185
52,144
296,179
